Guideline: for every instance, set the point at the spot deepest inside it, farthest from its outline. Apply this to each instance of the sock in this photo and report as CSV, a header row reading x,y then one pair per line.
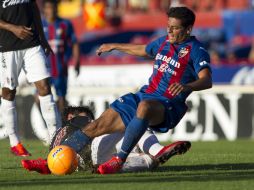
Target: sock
x,y
155,149
77,140
149,143
9,114
138,162
133,132
50,114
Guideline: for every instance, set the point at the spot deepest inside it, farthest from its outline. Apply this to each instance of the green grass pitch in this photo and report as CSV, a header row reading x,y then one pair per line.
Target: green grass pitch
x,y
207,166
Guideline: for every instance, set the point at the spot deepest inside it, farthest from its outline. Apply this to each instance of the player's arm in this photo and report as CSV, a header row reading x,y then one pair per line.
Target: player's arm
x,y
72,40
39,28
21,32
76,57
132,49
201,60
203,82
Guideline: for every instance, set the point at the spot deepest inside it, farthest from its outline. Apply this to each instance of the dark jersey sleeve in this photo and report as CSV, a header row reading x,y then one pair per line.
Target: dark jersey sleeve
x,y
68,129
153,47
1,12
201,58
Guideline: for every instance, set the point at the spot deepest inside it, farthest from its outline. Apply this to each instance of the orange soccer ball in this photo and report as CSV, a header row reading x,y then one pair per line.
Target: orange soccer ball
x,y
62,160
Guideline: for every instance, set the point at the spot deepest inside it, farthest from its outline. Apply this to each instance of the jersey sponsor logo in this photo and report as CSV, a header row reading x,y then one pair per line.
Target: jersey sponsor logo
x,y
59,31
203,63
8,3
164,67
183,51
168,60
120,100
57,45
203,49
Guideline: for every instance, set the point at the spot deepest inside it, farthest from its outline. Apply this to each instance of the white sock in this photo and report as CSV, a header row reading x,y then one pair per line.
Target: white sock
x,y
155,149
50,114
138,162
9,114
149,143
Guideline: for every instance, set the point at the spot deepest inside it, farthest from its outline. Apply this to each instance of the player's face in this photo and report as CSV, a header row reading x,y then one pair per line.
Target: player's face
x,y
176,32
49,11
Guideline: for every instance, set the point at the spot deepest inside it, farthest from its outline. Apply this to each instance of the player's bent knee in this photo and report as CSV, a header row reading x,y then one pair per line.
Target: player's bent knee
x,y
144,109
93,129
44,91
109,122
8,94
43,87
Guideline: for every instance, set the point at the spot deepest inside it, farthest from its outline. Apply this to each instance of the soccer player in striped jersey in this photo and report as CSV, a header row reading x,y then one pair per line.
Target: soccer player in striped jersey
x,y
181,65
62,39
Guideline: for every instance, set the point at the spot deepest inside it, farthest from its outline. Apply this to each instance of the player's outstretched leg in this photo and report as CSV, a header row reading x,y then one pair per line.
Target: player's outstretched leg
x,y
133,133
40,165
176,148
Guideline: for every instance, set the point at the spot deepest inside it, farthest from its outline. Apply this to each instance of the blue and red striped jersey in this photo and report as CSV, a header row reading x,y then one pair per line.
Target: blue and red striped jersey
x,y
61,36
175,63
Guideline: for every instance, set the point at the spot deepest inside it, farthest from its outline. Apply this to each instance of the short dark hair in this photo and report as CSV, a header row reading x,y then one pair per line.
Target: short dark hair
x,y
186,15
55,2
76,110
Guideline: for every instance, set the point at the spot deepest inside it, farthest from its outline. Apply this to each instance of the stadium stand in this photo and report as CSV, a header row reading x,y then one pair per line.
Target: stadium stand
x,y
222,25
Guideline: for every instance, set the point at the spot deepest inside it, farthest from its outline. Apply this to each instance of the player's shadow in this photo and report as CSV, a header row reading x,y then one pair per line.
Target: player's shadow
x,y
164,174
235,166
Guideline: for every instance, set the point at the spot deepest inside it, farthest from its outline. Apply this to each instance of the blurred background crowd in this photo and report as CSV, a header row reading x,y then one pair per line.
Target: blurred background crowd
x,y
224,26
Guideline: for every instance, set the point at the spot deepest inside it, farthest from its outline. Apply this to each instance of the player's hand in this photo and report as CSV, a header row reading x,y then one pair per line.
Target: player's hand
x,y
77,69
47,49
176,88
104,48
22,32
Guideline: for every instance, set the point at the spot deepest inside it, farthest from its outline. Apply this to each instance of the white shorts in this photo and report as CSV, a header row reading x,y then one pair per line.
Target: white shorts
x,y
105,146
32,60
